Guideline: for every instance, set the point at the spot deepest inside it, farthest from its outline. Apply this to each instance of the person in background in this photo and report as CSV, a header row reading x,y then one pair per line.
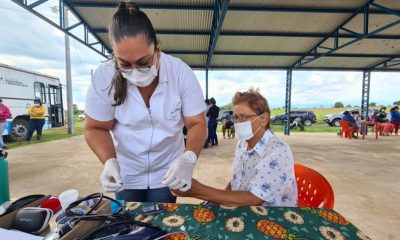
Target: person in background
x,y
207,102
352,122
297,123
263,165
37,120
228,125
395,119
213,113
385,126
4,114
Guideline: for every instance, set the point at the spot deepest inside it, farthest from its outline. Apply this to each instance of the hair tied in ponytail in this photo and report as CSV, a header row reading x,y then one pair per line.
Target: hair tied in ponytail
x,y
128,5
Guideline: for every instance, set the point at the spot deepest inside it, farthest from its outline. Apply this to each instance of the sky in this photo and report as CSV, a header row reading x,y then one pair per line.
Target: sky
x,y
28,42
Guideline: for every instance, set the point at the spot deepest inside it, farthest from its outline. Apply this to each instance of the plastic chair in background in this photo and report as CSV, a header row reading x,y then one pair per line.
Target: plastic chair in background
x,y
347,132
313,188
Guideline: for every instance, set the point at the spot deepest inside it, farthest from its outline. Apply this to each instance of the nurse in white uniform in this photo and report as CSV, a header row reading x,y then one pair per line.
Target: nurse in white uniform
x,y
144,97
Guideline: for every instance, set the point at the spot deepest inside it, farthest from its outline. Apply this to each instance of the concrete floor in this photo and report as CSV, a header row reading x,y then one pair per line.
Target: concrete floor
x,y
363,173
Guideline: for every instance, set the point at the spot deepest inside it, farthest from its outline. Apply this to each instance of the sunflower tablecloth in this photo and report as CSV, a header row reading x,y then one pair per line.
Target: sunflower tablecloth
x,y
206,222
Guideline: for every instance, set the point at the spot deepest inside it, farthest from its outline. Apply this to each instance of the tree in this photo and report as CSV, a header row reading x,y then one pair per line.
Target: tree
x,y
396,103
348,106
75,107
372,104
228,106
338,105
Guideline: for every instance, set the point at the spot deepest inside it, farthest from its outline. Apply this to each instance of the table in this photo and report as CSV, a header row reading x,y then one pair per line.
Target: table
x,y
365,124
208,222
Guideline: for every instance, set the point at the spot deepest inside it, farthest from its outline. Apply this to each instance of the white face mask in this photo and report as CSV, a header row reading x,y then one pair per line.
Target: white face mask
x,y
36,104
244,130
140,78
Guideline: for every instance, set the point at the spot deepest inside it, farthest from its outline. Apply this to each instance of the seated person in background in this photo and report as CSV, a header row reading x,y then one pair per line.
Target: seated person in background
x,y
263,167
352,122
227,124
297,123
395,119
357,118
385,126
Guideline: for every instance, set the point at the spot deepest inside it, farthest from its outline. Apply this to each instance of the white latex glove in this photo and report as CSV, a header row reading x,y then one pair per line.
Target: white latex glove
x,y
179,175
111,178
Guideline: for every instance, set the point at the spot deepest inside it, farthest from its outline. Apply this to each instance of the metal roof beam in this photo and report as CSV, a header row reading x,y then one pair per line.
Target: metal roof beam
x,y
220,10
37,3
288,54
391,62
259,34
359,36
29,7
230,8
243,67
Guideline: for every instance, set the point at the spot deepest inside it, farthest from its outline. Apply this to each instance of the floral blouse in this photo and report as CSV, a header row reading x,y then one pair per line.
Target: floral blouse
x,y
267,171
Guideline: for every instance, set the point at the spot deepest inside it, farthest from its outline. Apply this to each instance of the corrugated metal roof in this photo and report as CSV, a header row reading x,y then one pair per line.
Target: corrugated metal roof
x,y
251,61
196,60
265,44
345,4
339,62
153,2
282,22
262,33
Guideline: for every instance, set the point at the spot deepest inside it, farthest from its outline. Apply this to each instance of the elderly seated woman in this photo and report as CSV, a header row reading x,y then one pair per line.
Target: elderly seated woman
x,y
263,167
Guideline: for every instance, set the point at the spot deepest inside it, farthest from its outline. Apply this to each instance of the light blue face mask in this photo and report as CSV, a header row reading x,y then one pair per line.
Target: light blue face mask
x,y
244,129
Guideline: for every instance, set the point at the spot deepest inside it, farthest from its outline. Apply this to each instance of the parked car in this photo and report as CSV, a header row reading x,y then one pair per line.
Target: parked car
x,y
223,114
82,116
333,119
309,118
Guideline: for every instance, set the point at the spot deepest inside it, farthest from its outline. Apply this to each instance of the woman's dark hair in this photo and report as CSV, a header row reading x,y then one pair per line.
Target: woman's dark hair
x,y
128,21
37,100
212,101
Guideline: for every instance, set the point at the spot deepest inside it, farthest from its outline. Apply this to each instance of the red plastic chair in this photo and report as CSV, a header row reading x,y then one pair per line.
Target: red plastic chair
x,y
346,130
313,188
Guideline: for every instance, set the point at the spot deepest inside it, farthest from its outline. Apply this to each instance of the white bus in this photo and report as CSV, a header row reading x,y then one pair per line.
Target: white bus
x,y
18,89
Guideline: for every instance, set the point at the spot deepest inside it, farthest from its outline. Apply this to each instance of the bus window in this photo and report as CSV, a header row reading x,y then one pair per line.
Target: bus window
x,y
40,92
55,96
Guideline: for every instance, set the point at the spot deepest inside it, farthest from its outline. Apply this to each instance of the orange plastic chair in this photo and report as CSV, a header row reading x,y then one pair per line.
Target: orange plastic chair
x,y
313,188
346,130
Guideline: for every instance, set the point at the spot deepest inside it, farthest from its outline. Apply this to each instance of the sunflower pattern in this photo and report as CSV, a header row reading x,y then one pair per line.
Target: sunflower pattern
x,y
234,224
293,217
329,233
260,210
142,218
227,207
174,221
212,222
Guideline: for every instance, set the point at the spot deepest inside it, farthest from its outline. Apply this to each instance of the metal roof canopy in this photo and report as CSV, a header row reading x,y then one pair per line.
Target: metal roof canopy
x,y
352,35
256,34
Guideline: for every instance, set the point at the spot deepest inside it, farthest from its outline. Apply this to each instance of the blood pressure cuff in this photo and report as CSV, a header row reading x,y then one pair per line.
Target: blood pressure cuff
x,y
32,220
126,230
22,202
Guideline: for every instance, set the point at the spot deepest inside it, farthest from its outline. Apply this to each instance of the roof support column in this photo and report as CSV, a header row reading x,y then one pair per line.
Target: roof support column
x,y
365,95
288,101
220,9
206,83
70,102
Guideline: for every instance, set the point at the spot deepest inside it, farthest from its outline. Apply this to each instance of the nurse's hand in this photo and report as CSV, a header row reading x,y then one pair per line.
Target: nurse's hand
x,y
179,175
111,178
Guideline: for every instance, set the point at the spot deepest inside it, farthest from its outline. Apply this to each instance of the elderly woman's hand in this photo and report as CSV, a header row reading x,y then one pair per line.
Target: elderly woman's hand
x,y
196,185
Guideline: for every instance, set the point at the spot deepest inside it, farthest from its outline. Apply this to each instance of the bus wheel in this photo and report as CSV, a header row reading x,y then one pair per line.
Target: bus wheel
x,y
19,130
